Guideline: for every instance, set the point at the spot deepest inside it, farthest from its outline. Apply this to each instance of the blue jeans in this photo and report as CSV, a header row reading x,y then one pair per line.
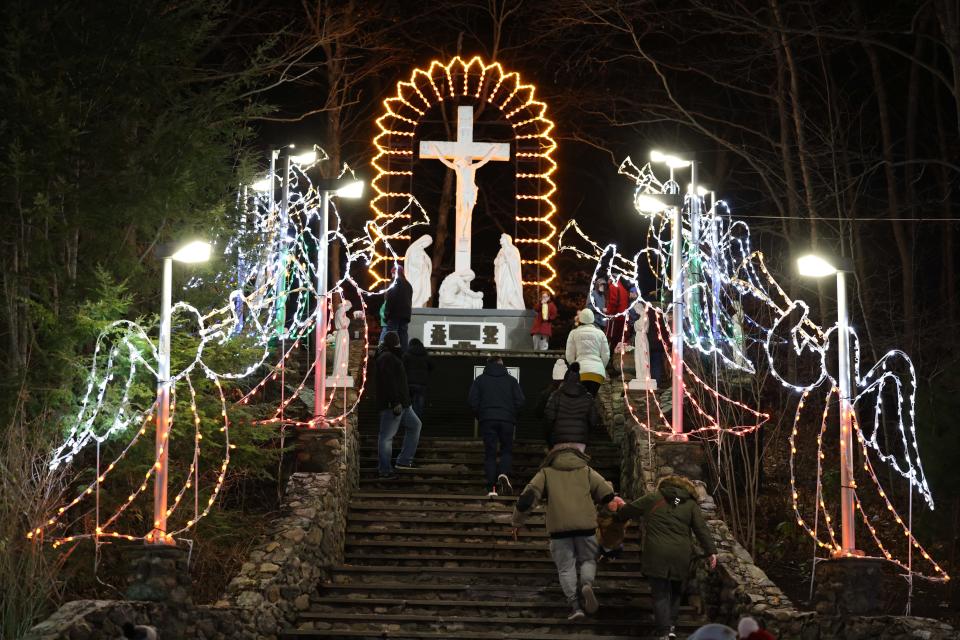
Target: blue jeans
x,y
494,433
418,399
666,602
389,425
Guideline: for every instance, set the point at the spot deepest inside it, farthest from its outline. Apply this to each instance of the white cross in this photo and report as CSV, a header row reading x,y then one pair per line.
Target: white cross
x,y
460,156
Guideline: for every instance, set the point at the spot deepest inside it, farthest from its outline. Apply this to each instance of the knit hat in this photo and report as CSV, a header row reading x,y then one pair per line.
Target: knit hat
x,y
559,369
747,626
585,316
391,340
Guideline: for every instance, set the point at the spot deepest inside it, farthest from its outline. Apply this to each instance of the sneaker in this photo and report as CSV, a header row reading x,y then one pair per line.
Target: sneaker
x,y
391,475
590,603
503,484
577,614
673,634
406,467
493,492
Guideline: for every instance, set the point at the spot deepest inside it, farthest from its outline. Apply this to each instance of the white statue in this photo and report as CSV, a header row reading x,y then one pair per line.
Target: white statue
x,y
419,268
455,292
340,376
459,155
641,353
506,270
739,344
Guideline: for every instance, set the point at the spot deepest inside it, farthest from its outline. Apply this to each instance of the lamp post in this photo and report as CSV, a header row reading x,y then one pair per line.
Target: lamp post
x,y
658,203
816,266
344,188
679,304
190,253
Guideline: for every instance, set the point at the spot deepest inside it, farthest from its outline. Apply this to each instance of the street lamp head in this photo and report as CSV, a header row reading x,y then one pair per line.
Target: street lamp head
x,y
305,158
193,252
672,161
263,184
353,189
657,202
812,265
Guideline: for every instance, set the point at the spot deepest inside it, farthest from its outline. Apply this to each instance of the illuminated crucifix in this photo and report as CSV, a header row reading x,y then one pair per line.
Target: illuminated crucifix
x,y
460,157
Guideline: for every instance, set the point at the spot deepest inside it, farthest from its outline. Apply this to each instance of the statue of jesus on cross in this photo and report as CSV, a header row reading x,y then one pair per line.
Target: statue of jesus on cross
x,y
464,156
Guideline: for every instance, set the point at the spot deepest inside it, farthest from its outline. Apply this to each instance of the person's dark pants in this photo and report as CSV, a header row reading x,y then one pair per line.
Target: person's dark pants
x,y
666,602
400,328
418,399
494,433
591,386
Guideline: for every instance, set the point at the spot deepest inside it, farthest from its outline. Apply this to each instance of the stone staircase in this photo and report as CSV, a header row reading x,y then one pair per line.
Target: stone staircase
x,y
429,555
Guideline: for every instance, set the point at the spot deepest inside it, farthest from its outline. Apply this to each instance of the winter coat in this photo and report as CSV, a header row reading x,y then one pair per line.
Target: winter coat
x,y
760,634
570,414
588,345
571,490
392,386
399,301
544,326
599,303
495,396
669,514
418,365
618,298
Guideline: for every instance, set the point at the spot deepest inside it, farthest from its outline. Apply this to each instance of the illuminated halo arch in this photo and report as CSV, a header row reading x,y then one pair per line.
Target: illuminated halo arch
x,y
533,149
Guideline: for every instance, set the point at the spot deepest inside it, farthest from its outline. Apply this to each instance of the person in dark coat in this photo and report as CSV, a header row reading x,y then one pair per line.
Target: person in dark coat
x,y
399,306
542,327
418,365
598,300
571,412
393,400
669,514
556,379
496,399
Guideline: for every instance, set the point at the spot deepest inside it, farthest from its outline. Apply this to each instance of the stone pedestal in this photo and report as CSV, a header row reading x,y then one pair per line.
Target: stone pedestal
x,y
158,573
680,458
852,586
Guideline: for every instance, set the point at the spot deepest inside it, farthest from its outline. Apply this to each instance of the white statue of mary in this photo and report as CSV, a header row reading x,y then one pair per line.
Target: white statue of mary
x,y
419,268
506,274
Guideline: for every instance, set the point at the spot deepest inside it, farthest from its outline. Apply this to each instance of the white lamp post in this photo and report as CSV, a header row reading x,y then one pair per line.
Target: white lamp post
x,y
190,253
679,304
344,188
816,266
658,203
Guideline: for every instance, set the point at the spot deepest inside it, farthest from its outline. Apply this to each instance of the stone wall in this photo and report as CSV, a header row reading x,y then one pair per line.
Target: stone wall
x,y
273,585
738,587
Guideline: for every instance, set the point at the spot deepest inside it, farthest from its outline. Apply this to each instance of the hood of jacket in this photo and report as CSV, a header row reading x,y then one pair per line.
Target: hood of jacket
x,y
573,388
566,460
677,489
495,369
382,349
416,348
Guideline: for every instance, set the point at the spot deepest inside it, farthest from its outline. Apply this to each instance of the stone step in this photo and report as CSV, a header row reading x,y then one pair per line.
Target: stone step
x,y
385,523
613,605
518,549
505,624
437,468
446,635
539,560
411,533
511,576
464,589
406,497
597,456
600,447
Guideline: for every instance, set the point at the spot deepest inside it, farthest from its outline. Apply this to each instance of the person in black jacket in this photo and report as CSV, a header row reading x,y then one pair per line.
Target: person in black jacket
x,y
393,400
496,398
399,306
571,412
418,366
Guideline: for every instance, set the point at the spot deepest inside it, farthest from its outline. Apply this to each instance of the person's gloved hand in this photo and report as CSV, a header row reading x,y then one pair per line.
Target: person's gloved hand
x,y
397,409
616,503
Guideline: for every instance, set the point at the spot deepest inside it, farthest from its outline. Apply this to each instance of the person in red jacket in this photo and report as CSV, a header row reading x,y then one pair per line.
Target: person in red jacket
x,y
618,301
543,323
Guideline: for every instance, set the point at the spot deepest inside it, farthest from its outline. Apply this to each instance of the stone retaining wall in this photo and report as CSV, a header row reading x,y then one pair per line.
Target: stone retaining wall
x,y
275,582
738,587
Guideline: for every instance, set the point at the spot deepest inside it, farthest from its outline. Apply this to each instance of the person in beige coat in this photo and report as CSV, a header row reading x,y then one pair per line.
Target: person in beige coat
x,y
571,490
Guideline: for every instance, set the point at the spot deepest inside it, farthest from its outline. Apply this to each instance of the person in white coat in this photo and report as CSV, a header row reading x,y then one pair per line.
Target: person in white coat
x,y
588,346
